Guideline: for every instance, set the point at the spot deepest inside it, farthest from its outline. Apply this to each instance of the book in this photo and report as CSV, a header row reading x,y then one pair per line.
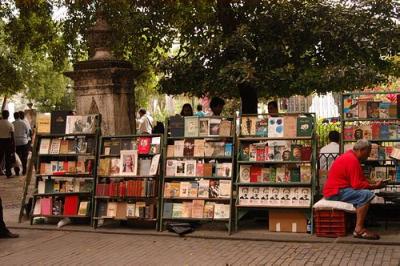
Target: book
x,y
304,126
228,149
144,144
306,152
167,212
362,108
41,187
188,148
64,146
44,146
204,126
199,169
208,210
221,211
186,209
83,208
144,167
155,146
170,151
130,210
305,197
179,146
46,206
58,122
81,124
348,132
248,125
112,209
254,195
213,190
204,185
244,152
129,163
373,109
305,173
225,128
215,124
177,126
197,208
224,188
38,208
290,122
126,144
180,168
115,166
191,126
43,121
115,147
170,168
207,169
255,174
177,210
190,168
193,189
71,205
184,188
280,175
102,209
55,146
121,211
154,165
104,166
106,147
275,127
295,175
244,196
264,196
262,127
384,109
198,150
384,131
265,175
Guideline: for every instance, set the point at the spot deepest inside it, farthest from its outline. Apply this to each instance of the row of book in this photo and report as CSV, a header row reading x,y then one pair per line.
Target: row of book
x,y
368,106
67,185
78,145
199,148
126,210
278,150
193,126
375,173
387,188
288,126
199,209
143,145
285,174
81,166
193,168
128,188
60,122
274,196
204,188
378,152
375,130
66,206
129,165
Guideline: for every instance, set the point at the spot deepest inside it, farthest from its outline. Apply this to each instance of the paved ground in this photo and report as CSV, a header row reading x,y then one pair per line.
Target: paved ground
x,y
57,247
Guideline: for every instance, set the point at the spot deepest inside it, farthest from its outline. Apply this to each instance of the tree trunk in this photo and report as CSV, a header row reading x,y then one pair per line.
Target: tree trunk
x,y
249,98
3,106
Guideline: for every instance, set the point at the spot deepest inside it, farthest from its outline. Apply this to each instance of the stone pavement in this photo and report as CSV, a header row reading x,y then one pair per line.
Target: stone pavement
x,y
36,247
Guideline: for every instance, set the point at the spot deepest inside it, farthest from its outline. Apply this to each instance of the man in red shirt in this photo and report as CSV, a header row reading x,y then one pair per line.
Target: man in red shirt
x,y
346,182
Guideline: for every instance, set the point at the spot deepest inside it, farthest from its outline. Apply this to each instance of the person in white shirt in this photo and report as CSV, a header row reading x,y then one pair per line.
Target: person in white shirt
x,y
329,152
28,125
145,122
21,138
7,144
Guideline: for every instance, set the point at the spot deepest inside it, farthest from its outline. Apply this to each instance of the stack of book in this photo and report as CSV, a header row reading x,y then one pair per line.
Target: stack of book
x,y
81,166
65,185
194,168
194,126
204,188
283,174
371,106
61,206
372,131
196,209
199,148
67,145
127,188
274,196
274,150
143,145
126,210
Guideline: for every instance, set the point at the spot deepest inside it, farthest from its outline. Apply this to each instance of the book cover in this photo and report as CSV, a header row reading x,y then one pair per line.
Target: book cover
x,y
71,205
104,166
188,148
57,206
129,163
274,196
380,173
199,169
81,124
144,167
213,190
306,152
41,187
254,195
208,149
154,164
209,210
44,146
38,208
362,109
83,208
186,209
115,166
179,146
46,205
255,174
305,197
43,121
184,188
198,150
393,131
367,131
296,152
126,144
58,122
284,197
252,152
265,174
392,110
244,173
264,196
191,126
304,126
295,175
177,126
225,128
155,146
193,189
373,109
228,149
305,173
348,106
221,211
115,147
224,189
177,210
348,132
204,126
55,146
218,149
204,185
384,109
280,175
180,168
170,151
112,209
275,127
294,196
208,169
215,124
64,146
49,186
190,168
121,211
375,128
244,152
248,125
384,131
167,212
107,147
197,208
244,196
262,127
290,122
130,210
260,152
144,145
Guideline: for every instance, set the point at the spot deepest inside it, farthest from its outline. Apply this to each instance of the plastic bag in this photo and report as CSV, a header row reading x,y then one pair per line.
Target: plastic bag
x,y
17,161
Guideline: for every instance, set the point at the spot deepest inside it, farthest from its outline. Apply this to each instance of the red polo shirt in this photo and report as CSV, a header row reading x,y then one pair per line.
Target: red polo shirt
x,y
345,172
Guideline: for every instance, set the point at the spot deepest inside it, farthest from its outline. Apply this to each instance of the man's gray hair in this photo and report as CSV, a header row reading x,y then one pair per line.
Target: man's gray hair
x,y
361,144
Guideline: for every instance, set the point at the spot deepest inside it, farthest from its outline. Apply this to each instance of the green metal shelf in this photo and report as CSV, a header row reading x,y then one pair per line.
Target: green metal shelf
x,y
273,207
275,184
67,155
199,219
201,137
193,198
197,177
273,162
126,219
201,157
128,176
258,138
61,194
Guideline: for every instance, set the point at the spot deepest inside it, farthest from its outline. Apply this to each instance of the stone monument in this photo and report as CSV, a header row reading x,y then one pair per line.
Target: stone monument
x,y
104,84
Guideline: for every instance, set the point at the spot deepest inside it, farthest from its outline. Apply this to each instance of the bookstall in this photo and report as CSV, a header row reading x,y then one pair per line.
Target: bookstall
x,y
276,169
374,116
128,179
66,167
197,185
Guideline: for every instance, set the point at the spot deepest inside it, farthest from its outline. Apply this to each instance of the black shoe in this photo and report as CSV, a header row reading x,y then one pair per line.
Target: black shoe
x,y
9,235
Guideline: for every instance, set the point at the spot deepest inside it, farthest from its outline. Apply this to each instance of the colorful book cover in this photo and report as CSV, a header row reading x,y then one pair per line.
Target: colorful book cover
x,y
244,173
255,174
191,126
384,109
275,127
204,126
362,109
262,127
188,147
304,126
348,132
305,173
215,124
225,128
384,131
290,126
296,150
373,109
245,152
144,144
295,175
228,149
248,125
177,126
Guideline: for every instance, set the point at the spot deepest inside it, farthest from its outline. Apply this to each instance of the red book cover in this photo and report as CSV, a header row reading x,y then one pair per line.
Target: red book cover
x,y
375,128
144,144
260,154
71,205
122,189
46,206
348,132
65,166
135,188
106,190
306,153
255,174
199,169
130,188
142,188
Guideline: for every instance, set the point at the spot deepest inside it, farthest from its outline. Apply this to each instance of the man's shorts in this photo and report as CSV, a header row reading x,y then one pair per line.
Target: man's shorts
x,y
356,197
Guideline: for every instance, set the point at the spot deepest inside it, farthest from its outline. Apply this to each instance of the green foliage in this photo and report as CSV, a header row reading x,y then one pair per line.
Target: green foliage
x,y
323,129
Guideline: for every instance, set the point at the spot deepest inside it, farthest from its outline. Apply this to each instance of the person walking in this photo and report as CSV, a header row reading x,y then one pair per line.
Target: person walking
x,y
145,122
21,137
22,117
4,232
7,143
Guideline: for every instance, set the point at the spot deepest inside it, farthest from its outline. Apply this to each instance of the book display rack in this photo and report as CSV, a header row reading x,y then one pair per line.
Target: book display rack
x,y
276,166
199,158
374,116
128,179
66,169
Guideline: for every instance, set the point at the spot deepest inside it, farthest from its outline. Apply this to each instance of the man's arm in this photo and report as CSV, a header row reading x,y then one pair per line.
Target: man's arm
x,y
357,179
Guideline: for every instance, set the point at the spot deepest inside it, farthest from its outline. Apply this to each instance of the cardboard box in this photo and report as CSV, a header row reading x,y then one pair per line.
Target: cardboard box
x,y
287,221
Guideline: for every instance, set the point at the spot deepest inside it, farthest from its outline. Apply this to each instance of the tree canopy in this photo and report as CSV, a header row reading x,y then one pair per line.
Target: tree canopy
x,y
229,48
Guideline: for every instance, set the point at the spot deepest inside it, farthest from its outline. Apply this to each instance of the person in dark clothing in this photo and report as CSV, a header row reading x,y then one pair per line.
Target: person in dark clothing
x,y
7,143
187,110
217,105
4,232
21,139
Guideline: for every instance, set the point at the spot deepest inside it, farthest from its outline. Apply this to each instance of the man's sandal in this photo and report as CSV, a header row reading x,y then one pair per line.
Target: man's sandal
x,y
366,235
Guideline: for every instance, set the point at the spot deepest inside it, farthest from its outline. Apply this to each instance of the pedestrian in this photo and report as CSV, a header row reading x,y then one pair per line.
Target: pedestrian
x,y
187,110
217,105
7,143
21,138
200,112
28,125
346,182
329,151
145,122
273,107
4,232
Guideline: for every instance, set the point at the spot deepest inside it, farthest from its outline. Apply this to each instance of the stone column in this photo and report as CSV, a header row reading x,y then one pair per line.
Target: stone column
x,y
104,85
